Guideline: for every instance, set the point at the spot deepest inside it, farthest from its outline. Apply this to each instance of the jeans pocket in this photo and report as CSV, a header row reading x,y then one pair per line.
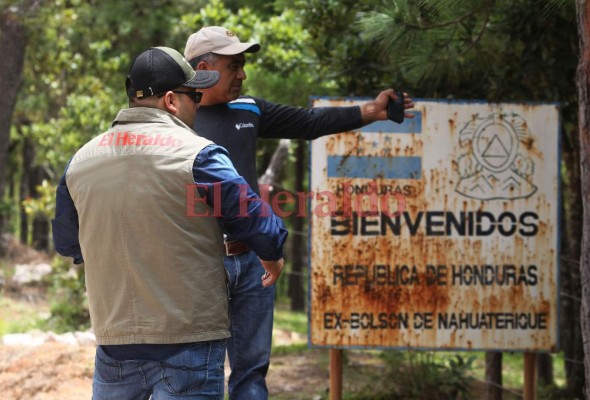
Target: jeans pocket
x,y
107,371
189,370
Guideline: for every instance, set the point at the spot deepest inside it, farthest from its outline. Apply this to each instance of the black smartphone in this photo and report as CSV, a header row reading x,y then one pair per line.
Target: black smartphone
x,y
395,108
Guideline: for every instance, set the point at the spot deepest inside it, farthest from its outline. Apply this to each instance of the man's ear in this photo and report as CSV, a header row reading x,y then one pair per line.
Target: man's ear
x,y
202,65
170,103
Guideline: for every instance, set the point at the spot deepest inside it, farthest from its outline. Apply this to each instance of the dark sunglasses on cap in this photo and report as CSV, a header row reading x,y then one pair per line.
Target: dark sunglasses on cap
x,y
195,96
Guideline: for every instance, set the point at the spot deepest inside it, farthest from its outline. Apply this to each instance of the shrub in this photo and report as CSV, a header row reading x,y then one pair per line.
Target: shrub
x,y
67,296
420,376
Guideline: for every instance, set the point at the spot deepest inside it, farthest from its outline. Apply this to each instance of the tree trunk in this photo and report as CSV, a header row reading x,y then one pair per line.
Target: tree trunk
x,y
494,375
545,369
33,176
296,281
24,189
12,49
583,87
277,161
572,213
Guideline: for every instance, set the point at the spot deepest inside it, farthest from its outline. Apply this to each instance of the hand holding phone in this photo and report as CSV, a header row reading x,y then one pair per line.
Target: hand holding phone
x,y
395,108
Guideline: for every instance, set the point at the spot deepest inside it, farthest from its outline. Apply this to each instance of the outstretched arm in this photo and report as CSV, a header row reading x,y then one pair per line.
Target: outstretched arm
x,y
281,121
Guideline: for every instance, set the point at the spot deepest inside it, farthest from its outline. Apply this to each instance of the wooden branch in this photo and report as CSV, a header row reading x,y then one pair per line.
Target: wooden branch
x,y
276,163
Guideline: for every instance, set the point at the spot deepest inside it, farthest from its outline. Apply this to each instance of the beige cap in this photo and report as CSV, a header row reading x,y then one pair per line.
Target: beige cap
x,y
218,40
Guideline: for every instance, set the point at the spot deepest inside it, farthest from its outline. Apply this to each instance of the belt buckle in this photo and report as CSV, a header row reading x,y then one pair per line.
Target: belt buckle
x,y
228,248
227,244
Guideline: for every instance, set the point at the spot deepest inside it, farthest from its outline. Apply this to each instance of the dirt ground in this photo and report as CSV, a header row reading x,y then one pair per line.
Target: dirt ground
x,y
58,371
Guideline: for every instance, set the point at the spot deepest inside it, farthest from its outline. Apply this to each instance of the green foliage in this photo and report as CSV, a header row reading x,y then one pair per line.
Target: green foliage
x,y
552,392
290,320
68,301
75,68
28,319
44,205
82,118
513,367
421,376
264,8
29,315
496,50
285,350
342,57
215,12
73,86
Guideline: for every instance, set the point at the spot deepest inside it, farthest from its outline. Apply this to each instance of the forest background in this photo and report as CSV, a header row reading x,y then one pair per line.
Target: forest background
x,y
63,63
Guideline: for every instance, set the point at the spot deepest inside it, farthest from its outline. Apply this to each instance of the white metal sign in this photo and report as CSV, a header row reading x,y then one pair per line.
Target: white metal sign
x,y
438,233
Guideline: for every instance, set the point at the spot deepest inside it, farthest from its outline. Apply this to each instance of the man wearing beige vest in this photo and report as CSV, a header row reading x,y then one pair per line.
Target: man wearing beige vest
x,y
144,205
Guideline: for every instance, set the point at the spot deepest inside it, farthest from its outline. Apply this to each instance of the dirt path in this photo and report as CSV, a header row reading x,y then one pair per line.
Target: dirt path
x,y
51,371
57,371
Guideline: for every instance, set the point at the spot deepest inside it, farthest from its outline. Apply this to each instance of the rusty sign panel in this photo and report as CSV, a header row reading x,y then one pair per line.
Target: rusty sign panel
x,y
438,233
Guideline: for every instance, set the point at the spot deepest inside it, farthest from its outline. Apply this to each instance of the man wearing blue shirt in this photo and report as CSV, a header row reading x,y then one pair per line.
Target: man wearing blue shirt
x,y
144,205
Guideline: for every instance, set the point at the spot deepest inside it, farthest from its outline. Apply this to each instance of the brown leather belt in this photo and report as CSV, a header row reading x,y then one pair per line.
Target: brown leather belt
x,y
235,248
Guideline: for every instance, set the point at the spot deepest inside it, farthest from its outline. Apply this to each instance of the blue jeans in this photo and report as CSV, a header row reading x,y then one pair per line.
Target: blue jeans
x,y
251,310
196,373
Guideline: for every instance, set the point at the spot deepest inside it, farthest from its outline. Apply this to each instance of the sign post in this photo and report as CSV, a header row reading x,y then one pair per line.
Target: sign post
x,y
438,233
530,376
335,374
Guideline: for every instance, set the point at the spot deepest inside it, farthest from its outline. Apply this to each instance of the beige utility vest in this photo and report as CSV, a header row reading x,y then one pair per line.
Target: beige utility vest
x,y
154,271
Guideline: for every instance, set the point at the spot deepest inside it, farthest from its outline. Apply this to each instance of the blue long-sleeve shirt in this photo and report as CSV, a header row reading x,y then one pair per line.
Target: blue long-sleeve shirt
x,y
239,124
211,167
